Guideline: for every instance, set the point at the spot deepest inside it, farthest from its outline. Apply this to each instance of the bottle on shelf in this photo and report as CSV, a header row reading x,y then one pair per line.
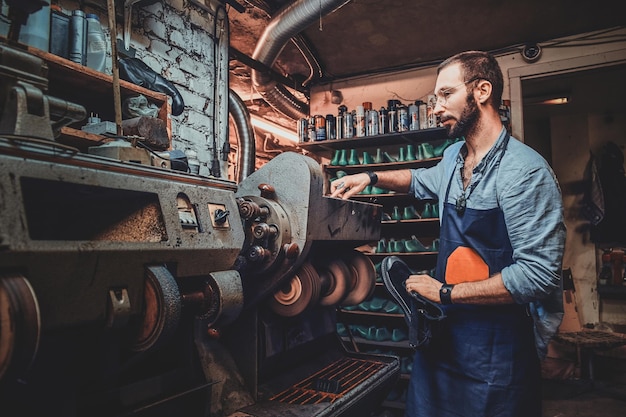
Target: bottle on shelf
x,y
36,32
96,43
78,37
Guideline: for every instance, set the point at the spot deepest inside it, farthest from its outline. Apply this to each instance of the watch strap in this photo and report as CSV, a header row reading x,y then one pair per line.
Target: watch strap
x,y
373,177
445,293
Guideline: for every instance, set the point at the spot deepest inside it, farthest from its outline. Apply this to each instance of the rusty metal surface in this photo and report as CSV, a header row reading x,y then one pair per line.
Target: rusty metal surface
x,y
592,339
79,225
345,375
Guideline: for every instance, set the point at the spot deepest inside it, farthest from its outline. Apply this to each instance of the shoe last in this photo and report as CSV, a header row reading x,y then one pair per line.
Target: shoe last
x,y
391,245
410,153
420,152
382,334
435,210
388,158
395,214
401,155
428,211
438,150
343,159
391,307
335,160
377,304
363,306
398,335
360,330
410,213
354,158
382,246
414,245
427,149
400,246
367,158
378,190
378,159
434,247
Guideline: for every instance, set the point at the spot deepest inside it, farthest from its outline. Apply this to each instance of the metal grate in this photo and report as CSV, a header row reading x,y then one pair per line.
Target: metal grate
x,y
330,383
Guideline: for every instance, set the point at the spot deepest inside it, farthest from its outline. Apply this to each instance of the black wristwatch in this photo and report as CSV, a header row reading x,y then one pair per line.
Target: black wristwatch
x,y
373,177
445,293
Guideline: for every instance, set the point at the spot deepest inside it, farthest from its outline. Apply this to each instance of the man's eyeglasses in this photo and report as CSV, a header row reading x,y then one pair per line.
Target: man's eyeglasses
x,y
444,95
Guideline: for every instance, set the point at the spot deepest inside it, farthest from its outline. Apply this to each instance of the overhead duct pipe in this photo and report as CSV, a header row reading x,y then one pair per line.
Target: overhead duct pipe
x,y
246,149
290,21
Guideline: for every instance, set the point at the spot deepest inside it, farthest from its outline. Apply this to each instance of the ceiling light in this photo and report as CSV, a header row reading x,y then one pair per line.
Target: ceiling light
x,y
273,128
561,98
558,100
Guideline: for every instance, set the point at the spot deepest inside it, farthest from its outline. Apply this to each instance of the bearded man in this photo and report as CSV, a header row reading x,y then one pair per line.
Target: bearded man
x,y
501,244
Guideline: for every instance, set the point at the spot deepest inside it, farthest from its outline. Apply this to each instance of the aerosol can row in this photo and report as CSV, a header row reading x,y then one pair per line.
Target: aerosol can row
x,y
364,120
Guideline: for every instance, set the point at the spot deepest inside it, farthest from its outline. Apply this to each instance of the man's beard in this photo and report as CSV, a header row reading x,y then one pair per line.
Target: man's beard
x,y
467,122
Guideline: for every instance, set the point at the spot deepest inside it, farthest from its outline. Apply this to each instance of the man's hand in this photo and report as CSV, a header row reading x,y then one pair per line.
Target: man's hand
x,y
346,187
424,285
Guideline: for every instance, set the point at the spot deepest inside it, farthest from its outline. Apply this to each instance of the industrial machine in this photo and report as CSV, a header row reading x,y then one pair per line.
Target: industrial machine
x,y
129,289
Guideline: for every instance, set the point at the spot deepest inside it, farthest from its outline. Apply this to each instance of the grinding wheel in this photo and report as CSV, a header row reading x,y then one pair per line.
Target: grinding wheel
x,y
363,278
298,294
20,325
336,278
161,309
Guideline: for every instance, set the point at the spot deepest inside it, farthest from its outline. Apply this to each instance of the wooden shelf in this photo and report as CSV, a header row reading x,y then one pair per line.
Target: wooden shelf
x,y
401,254
418,221
425,163
404,344
93,90
398,138
371,313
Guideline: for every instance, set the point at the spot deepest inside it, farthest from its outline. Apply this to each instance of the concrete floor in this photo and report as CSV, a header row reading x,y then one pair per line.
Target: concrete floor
x,y
576,398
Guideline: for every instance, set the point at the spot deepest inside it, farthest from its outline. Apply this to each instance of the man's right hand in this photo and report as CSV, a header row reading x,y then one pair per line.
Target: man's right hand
x,y
349,185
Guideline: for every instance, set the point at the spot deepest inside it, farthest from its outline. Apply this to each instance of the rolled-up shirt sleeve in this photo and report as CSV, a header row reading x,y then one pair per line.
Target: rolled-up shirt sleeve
x,y
533,213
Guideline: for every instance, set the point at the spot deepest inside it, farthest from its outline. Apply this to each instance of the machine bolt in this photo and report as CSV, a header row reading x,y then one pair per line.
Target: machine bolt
x,y
258,254
291,250
264,230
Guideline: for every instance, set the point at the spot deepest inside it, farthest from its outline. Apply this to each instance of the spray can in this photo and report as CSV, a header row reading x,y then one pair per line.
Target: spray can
x,y
78,37
360,122
383,121
393,116
414,117
430,109
339,123
303,130
403,118
372,123
349,125
320,127
311,129
423,114
330,127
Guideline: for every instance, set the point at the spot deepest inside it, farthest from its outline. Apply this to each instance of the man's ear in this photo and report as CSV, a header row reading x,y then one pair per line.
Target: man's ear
x,y
483,91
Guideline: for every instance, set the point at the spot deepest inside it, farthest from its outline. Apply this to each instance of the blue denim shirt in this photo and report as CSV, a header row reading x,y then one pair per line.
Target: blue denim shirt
x,y
524,186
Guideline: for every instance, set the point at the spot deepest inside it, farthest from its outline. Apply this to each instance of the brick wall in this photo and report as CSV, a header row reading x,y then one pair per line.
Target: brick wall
x,y
175,39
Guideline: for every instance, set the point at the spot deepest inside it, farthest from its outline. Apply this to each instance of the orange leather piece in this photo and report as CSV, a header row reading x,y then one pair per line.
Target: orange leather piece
x,y
465,265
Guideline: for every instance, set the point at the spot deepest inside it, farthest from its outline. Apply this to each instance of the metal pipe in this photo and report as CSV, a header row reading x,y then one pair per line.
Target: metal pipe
x,y
289,21
246,149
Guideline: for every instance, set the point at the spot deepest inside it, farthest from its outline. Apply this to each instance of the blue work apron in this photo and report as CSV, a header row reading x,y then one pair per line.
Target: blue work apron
x,y
482,360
